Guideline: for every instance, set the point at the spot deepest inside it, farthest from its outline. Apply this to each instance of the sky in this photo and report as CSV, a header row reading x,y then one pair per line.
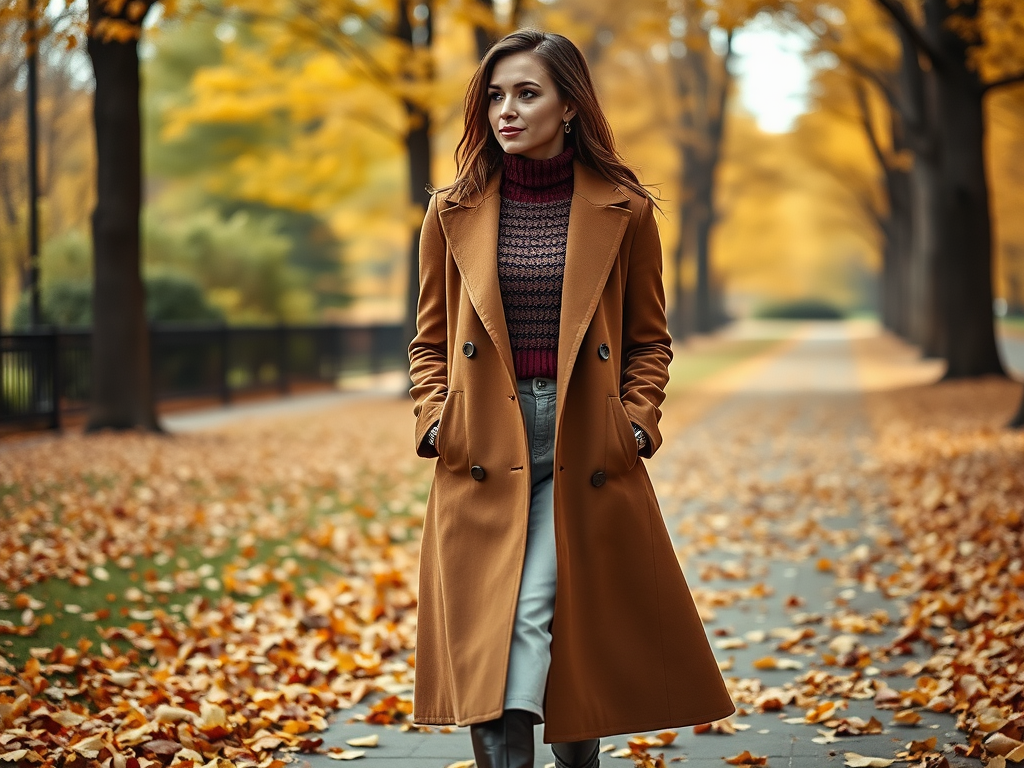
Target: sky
x,y
773,77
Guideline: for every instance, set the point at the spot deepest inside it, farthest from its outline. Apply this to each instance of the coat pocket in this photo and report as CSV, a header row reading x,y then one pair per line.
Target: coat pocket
x,y
450,442
621,442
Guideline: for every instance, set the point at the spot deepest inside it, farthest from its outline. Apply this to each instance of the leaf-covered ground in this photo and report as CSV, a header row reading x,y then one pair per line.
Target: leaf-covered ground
x,y
210,599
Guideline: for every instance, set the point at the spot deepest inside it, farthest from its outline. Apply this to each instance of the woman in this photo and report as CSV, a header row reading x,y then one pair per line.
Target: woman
x,y
549,588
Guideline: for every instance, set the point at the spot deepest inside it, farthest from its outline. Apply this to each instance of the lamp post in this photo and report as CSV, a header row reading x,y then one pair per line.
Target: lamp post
x,y
31,92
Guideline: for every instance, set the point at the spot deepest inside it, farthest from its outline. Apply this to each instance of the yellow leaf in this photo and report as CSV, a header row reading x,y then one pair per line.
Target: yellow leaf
x,y
853,760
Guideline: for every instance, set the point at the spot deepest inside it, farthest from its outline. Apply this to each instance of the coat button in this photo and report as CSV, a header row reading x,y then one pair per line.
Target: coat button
x,y
477,472
603,351
597,479
468,349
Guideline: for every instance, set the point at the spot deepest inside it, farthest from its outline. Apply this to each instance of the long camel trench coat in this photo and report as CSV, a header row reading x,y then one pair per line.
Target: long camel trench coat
x,y
628,650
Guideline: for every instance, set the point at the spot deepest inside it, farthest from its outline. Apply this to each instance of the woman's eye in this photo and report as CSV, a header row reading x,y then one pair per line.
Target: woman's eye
x,y
527,94
495,96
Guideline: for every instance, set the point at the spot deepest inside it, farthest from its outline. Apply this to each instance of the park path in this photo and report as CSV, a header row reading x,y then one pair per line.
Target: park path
x,y
760,490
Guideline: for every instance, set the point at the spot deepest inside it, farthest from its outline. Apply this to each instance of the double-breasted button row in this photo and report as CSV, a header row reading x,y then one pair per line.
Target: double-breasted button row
x,y
477,472
597,479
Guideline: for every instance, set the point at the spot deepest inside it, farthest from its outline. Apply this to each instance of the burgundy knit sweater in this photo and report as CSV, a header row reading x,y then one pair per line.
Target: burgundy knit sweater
x,y
532,234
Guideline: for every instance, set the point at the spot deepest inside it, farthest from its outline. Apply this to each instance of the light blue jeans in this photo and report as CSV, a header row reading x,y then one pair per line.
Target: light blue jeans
x,y
530,654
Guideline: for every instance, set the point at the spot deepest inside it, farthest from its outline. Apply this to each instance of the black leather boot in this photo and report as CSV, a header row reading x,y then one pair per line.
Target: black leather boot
x,y
577,754
506,742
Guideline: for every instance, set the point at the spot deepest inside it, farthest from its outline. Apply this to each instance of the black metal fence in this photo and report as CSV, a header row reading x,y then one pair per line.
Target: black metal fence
x,y
47,373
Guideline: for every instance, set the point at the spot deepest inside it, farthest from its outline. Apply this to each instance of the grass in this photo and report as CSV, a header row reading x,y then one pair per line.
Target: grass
x,y
118,596
692,365
1015,325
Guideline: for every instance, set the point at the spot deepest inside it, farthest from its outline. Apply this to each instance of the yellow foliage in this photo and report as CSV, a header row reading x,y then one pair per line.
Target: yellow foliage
x,y
1006,169
789,226
66,159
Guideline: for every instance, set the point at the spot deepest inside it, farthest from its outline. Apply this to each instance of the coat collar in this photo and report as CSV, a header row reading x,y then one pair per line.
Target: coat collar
x,y
587,183
597,222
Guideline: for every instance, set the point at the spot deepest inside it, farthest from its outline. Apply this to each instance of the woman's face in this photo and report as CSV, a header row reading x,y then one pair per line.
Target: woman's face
x,y
525,110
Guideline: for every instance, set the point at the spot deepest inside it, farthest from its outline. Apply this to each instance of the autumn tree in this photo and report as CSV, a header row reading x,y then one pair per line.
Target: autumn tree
x,y
879,76
970,49
122,394
701,56
386,49
63,160
692,41
122,387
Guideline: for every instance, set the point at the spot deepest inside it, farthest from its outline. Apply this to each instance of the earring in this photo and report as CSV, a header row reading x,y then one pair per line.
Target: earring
x,y
567,127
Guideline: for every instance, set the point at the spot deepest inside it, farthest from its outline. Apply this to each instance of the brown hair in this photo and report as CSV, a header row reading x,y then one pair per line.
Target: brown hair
x,y
478,154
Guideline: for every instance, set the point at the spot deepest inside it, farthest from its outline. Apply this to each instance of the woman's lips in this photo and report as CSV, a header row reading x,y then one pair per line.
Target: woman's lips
x,y
510,131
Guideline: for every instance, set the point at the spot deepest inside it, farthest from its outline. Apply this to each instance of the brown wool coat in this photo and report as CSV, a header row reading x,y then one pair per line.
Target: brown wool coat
x,y
628,651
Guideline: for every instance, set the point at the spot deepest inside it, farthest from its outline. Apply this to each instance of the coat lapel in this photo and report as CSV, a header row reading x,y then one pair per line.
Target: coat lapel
x,y
471,228
597,222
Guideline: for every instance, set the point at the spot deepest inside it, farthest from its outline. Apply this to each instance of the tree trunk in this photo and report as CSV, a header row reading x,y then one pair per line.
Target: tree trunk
x,y
418,153
965,284
482,36
706,316
965,255
1018,421
918,112
122,388
897,228
896,252
679,320
888,300
922,279
704,321
417,146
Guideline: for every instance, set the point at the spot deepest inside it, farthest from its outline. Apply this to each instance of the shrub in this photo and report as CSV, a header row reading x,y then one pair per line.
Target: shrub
x,y
170,297
801,309
176,298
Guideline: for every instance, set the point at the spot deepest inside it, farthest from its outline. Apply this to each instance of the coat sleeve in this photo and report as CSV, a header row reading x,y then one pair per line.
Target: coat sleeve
x,y
428,351
647,345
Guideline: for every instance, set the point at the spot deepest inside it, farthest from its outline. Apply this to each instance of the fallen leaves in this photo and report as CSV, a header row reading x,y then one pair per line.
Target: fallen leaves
x,y
938,495
241,652
770,662
225,662
907,717
744,758
1005,746
957,496
335,753
638,749
727,726
853,760
372,740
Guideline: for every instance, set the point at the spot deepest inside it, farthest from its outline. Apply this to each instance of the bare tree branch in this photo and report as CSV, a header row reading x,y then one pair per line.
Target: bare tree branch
x,y
864,107
1003,81
901,17
876,77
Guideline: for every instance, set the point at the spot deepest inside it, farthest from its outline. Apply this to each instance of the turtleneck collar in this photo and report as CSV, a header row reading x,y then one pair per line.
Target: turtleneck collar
x,y
537,181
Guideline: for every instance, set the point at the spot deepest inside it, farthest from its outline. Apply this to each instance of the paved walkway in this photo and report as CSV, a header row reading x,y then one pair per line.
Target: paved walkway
x,y
751,528
240,413
1012,348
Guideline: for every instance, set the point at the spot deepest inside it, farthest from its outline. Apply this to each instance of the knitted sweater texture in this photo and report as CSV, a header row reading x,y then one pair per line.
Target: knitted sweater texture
x,y
532,233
